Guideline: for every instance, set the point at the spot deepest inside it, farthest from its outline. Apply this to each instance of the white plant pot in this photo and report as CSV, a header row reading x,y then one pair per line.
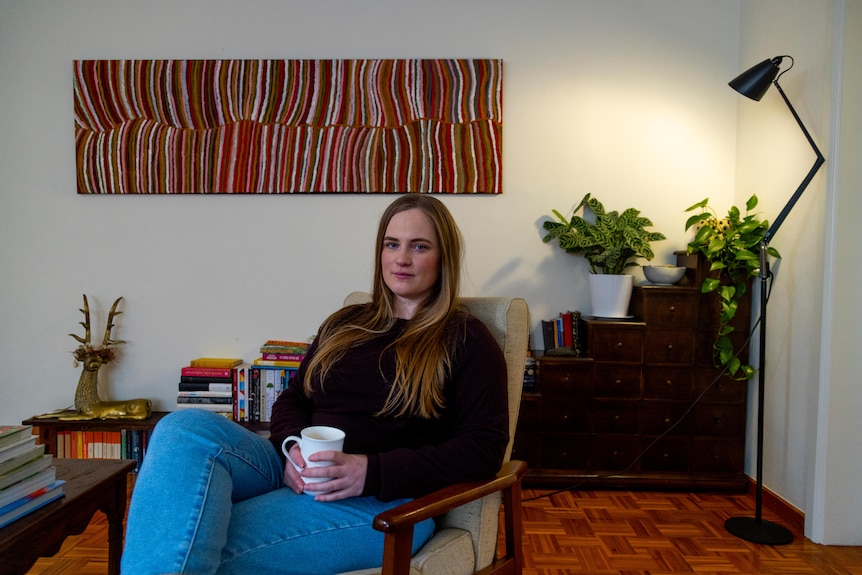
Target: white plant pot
x,y
610,295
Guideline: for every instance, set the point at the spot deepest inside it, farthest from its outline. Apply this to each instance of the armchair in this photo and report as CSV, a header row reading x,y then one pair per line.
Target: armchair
x,y
467,514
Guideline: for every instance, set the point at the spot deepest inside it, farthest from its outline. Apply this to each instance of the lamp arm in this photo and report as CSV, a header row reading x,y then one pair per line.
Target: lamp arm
x,y
817,163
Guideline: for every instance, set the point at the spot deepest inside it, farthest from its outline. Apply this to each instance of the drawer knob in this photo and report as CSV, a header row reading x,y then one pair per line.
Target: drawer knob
x,y
672,308
670,346
668,382
667,420
618,381
616,418
718,421
619,345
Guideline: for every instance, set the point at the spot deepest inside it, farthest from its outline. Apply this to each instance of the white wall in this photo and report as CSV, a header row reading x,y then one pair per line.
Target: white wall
x,y
806,318
835,499
626,99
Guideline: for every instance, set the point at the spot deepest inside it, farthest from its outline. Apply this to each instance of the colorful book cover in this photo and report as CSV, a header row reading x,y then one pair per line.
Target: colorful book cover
x,y
29,504
282,356
275,363
19,460
204,386
26,470
207,372
12,433
216,362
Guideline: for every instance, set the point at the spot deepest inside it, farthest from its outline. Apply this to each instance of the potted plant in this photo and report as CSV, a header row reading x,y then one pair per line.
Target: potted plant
x,y
731,245
610,242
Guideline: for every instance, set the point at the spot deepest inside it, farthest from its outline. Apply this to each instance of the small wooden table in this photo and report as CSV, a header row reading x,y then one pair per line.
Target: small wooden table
x,y
91,485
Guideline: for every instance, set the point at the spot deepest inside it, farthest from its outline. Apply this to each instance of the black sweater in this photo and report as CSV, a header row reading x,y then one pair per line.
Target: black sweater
x,y
408,456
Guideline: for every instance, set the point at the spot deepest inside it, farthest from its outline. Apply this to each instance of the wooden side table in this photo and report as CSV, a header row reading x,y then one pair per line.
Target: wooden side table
x,y
91,485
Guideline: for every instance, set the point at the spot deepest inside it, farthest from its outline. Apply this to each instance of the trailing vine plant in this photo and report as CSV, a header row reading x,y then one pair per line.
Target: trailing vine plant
x,y
732,246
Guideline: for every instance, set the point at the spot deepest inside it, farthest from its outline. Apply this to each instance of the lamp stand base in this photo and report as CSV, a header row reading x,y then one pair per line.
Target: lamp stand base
x,y
764,532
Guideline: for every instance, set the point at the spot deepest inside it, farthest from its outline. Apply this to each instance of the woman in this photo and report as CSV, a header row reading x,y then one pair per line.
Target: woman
x,y
418,386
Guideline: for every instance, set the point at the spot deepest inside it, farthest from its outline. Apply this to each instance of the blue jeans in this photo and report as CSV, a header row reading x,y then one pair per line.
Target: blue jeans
x,y
210,498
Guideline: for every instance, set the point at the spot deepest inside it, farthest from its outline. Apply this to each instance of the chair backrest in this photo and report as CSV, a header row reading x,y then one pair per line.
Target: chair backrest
x,y
509,322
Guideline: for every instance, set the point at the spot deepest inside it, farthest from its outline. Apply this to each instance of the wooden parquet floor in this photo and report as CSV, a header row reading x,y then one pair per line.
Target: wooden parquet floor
x,y
647,533
597,533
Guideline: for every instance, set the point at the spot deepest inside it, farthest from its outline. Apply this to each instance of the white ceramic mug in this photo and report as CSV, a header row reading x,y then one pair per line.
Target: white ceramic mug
x,y
314,439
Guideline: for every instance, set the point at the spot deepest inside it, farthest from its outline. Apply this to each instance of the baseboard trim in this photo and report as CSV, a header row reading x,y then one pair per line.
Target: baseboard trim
x,y
792,517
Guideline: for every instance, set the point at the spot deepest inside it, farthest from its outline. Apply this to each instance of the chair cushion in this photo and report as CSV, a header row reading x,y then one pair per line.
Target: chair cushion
x,y
449,552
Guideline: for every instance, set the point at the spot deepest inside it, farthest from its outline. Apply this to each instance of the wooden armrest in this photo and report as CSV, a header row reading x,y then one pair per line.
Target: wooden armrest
x,y
448,498
398,523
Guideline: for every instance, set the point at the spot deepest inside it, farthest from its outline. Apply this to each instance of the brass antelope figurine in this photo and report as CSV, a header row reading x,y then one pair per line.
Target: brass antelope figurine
x,y
88,405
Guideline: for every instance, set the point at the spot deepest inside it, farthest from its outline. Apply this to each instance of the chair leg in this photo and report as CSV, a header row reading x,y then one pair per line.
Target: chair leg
x,y
397,552
512,562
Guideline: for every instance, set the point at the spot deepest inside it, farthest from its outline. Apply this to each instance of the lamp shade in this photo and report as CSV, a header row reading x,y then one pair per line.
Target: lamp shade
x,y
754,82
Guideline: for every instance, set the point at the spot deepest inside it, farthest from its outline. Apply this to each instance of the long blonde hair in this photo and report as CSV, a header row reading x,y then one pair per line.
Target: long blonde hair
x,y
425,350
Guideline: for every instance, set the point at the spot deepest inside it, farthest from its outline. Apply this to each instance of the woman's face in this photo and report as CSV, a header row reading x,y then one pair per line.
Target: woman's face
x,y
410,260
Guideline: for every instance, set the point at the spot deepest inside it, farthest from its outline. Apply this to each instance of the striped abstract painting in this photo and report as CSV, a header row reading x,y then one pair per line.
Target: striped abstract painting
x,y
288,126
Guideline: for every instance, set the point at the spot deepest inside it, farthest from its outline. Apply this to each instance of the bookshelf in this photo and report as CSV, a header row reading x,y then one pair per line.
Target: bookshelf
x,y
49,429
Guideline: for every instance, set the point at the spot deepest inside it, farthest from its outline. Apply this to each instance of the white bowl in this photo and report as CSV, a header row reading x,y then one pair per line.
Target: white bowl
x,y
663,275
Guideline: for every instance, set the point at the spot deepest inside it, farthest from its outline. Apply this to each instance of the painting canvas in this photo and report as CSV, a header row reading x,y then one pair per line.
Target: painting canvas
x,y
288,126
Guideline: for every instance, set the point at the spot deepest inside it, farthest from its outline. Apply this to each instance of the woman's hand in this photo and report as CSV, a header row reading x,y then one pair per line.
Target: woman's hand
x,y
347,474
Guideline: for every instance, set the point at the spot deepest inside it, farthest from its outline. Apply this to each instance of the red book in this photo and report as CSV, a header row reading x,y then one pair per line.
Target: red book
x,y
567,329
207,372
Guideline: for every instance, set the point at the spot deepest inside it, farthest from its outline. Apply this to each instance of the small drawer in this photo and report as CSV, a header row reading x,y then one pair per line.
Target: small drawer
x,y
526,448
569,452
669,346
658,417
616,380
717,456
616,416
725,390
667,382
666,306
666,454
566,416
569,377
718,420
530,414
612,342
614,453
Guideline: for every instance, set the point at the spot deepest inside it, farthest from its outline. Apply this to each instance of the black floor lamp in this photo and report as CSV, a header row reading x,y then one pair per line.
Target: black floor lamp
x,y
753,83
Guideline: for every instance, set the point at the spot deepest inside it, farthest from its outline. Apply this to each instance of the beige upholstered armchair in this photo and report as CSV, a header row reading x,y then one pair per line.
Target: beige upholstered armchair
x,y
467,514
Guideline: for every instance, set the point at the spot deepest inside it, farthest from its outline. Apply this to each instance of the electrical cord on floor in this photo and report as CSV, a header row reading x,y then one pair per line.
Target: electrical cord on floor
x,y
661,436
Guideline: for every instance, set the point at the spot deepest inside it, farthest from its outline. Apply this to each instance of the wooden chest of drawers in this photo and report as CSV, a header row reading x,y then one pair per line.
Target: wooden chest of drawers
x,y
644,409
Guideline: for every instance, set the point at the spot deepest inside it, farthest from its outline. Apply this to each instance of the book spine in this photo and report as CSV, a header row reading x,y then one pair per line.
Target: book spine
x,y
567,329
239,393
275,363
205,379
253,394
191,386
137,448
228,394
205,400
282,356
208,372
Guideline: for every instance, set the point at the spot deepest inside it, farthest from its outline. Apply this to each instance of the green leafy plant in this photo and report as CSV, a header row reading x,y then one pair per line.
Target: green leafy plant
x,y
610,242
732,246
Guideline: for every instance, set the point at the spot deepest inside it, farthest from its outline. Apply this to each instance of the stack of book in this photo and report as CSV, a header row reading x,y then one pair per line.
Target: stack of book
x,y
567,332
27,477
270,373
215,384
